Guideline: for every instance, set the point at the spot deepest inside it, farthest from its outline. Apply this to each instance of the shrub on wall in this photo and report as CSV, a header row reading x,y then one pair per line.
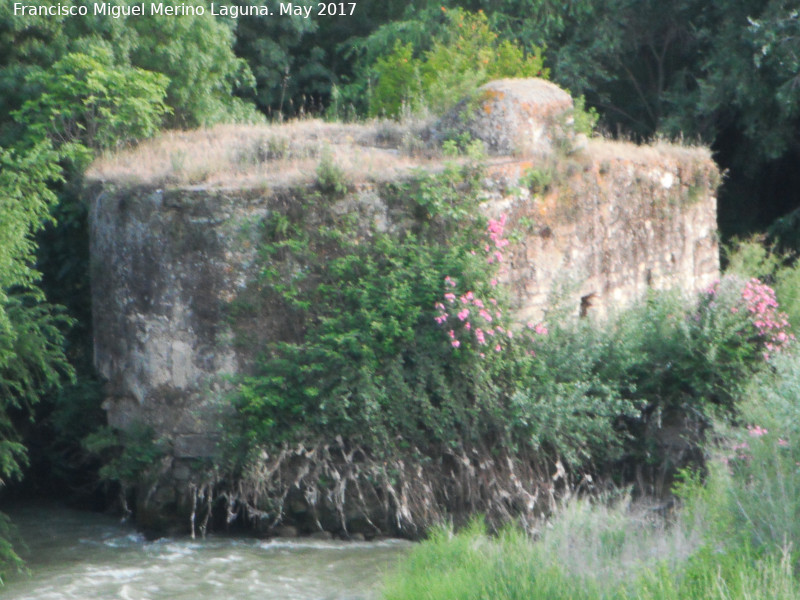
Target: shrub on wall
x,y
398,369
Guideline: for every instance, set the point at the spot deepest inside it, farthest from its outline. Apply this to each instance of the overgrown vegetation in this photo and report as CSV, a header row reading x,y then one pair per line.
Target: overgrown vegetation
x,y
399,383
732,534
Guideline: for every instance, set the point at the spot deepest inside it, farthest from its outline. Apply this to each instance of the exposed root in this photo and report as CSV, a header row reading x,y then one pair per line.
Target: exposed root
x,y
202,500
341,487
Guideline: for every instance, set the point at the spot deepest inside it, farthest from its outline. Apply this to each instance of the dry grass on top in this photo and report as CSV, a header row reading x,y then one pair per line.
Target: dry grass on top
x,y
251,155
600,149
279,155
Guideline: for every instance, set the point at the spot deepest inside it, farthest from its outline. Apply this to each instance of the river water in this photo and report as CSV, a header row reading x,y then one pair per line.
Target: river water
x,y
83,555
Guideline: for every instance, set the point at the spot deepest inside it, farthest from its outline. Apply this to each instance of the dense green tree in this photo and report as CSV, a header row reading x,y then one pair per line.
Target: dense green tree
x,y
195,53
32,360
83,103
298,62
270,47
465,53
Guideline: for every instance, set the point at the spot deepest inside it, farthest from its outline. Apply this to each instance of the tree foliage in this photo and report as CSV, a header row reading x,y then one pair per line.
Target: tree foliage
x,y
465,53
32,360
194,53
86,104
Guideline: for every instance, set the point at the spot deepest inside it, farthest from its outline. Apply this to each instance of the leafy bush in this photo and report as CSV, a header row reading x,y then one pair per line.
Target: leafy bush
x,y
590,392
585,118
127,454
331,179
538,181
464,55
88,104
371,363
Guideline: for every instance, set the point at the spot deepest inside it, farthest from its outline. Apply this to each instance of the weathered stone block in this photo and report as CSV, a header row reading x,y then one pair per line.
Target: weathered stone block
x,y
520,117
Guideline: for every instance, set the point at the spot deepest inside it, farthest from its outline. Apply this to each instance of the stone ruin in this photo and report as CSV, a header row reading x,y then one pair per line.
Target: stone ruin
x,y
601,221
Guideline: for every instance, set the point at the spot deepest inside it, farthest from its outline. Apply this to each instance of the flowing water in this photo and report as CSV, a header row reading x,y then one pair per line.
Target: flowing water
x,y
73,554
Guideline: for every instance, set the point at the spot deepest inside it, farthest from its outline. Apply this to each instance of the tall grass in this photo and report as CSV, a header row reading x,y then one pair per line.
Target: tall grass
x,y
762,455
590,552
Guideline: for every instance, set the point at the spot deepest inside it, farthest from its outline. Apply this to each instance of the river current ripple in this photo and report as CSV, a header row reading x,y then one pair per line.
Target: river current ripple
x,y
72,554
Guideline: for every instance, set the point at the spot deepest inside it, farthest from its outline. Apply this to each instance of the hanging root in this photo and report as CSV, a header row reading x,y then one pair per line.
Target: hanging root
x,y
202,497
342,484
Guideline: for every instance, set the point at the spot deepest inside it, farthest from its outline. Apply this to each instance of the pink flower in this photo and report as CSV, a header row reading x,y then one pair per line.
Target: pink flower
x,y
455,343
756,431
782,442
452,334
493,282
441,319
450,281
462,315
450,297
497,348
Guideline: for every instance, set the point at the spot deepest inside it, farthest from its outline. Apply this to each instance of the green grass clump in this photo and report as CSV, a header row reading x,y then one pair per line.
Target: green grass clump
x,y
626,560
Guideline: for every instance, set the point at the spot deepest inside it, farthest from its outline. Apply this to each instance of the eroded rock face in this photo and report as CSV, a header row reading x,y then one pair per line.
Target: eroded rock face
x,y
519,117
160,278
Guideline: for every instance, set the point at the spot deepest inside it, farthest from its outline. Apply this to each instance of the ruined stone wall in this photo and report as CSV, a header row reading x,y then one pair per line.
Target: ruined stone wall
x,y
609,230
166,263
175,231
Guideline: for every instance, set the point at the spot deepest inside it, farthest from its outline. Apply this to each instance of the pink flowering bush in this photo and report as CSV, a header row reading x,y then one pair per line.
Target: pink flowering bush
x,y
388,335
771,326
745,317
475,318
